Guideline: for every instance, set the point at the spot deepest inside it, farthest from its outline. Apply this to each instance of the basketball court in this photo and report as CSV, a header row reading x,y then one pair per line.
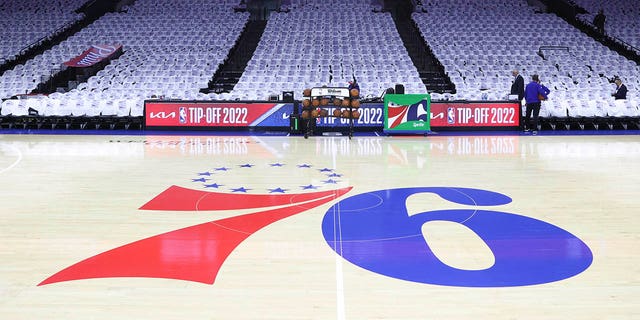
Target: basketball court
x,y
280,227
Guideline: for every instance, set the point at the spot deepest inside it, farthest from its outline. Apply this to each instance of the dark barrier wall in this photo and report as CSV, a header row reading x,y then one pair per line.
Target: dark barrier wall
x,y
461,115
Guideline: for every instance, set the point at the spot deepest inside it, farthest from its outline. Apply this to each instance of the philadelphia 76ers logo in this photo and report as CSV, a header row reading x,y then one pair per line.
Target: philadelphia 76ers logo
x,y
376,232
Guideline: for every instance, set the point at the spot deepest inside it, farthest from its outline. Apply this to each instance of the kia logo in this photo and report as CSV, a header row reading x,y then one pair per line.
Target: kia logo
x,y
162,115
439,115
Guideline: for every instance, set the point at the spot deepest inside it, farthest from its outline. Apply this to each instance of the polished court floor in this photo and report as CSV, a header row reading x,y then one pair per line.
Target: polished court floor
x,y
275,227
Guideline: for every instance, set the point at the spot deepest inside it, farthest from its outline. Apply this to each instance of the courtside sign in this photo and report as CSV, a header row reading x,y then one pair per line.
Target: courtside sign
x,y
407,113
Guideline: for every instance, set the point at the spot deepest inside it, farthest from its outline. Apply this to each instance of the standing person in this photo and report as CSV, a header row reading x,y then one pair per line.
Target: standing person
x,y
599,21
354,85
517,87
621,90
533,94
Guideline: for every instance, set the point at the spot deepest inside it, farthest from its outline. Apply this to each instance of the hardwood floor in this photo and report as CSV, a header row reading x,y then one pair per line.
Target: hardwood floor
x,y
265,227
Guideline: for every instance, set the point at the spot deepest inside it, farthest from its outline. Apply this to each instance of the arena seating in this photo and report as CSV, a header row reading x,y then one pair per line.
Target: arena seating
x,y
171,49
623,18
480,42
328,43
23,23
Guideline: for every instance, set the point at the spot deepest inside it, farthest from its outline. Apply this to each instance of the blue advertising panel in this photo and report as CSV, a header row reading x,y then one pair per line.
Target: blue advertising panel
x,y
371,115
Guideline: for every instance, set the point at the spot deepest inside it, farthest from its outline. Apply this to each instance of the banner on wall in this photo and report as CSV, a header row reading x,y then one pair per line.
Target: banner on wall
x,y
407,113
94,55
475,114
442,115
450,114
175,114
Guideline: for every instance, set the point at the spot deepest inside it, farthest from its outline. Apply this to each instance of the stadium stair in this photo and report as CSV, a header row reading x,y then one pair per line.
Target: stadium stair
x,y
429,67
568,10
228,74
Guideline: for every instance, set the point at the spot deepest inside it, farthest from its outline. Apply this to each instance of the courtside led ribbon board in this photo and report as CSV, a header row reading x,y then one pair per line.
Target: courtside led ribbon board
x,y
488,114
178,114
407,113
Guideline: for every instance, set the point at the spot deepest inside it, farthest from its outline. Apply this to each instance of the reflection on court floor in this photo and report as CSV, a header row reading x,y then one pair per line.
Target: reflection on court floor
x,y
248,227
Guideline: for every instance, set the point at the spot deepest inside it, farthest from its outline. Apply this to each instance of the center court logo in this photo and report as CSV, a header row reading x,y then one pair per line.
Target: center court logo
x,y
527,251
196,253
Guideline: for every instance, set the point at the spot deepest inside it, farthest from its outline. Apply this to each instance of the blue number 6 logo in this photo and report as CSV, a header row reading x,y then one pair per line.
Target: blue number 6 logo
x,y
374,231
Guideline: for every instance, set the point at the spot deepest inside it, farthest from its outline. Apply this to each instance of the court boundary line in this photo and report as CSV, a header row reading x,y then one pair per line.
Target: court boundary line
x,y
15,163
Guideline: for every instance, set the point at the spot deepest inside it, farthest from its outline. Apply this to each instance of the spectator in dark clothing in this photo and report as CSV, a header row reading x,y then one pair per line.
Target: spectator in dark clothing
x,y
517,87
599,21
621,90
533,94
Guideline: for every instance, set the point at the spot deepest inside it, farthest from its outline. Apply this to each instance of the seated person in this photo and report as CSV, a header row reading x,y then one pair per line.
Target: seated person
x,y
621,90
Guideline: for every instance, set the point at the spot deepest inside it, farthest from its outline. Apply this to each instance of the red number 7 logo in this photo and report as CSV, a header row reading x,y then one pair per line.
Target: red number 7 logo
x,y
194,253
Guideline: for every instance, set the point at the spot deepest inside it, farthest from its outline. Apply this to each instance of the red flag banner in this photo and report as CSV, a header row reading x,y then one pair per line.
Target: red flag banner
x,y
93,55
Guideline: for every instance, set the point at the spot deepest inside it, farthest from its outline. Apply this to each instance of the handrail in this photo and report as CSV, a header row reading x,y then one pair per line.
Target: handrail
x,y
619,40
550,47
84,5
51,35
